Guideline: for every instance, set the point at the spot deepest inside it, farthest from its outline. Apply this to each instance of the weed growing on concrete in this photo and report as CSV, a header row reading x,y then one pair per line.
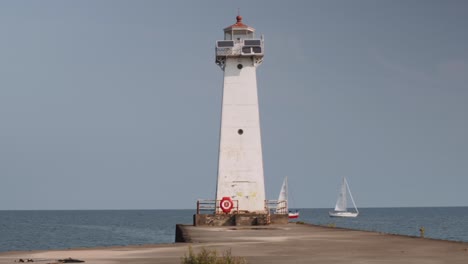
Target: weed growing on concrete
x,y
206,256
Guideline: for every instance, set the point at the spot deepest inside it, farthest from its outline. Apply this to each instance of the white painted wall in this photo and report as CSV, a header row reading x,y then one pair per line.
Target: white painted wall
x,y
240,169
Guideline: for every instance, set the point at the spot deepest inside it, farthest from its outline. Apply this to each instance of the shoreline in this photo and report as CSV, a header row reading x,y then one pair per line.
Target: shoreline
x,y
175,243
298,243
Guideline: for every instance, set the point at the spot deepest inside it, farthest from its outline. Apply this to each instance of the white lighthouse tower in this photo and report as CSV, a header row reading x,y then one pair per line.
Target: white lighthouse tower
x,y
240,169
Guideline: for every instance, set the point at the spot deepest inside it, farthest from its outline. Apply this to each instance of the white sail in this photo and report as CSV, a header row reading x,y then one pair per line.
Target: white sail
x,y
341,207
283,197
341,202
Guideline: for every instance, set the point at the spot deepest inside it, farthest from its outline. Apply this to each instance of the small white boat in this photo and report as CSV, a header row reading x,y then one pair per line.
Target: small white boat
x,y
282,206
341,207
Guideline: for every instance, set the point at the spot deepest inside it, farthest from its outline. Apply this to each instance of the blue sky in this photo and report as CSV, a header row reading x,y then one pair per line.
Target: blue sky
x,y
116,104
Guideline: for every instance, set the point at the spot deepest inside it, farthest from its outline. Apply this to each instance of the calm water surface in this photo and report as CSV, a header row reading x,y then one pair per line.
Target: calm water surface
x,y
449,223
38,230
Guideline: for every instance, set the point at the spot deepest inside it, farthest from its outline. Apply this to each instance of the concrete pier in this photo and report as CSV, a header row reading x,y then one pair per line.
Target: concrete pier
x,y
304,243
291,243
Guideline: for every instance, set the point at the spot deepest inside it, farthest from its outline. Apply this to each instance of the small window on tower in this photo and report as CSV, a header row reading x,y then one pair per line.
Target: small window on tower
x,y
252,42
257,49
239,66
225,43
240,131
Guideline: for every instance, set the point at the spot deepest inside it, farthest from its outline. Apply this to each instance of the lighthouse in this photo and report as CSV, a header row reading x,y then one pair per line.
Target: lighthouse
x,y
240,181
240,189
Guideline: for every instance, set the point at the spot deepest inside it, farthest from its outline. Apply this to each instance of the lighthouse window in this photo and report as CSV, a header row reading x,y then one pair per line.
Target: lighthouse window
x,y
257,49
240,131
225,43
246,50
252,42
239,66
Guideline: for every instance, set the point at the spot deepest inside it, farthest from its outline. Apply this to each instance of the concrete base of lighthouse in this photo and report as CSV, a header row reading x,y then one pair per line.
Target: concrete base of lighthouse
x,y
247,219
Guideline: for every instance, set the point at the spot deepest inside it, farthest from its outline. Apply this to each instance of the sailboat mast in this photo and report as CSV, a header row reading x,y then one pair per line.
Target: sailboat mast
x,y
350,195
286,187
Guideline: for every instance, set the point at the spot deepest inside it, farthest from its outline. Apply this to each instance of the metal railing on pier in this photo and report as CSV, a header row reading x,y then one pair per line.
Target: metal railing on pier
x,y
213,207
276,207
205,206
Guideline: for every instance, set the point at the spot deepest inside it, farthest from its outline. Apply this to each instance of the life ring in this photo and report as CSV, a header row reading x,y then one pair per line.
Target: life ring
x,y
226,204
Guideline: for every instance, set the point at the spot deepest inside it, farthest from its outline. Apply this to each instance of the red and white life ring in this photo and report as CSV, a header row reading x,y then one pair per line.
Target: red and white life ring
x,y
226,204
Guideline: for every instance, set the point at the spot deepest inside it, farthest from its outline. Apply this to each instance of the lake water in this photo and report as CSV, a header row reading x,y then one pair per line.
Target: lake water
x,y
43,230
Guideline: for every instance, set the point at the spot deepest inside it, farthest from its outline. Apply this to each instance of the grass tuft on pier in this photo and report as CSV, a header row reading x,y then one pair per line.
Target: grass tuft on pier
x,y
206,256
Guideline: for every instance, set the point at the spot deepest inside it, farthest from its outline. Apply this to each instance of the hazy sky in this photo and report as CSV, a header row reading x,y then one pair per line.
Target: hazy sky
x,y
116,104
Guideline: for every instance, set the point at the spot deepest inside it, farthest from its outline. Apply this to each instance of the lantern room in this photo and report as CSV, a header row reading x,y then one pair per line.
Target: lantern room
x,y
238,31
239,40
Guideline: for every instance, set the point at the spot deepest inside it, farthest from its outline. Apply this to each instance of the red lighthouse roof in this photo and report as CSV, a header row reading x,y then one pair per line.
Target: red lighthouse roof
x,y
239,25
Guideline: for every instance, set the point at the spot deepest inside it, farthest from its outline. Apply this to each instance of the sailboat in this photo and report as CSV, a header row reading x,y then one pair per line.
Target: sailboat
x,y
341,207
282,206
